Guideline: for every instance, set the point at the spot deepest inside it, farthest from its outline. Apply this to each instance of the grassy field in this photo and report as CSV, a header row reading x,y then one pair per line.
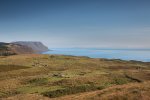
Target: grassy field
x,y
58,77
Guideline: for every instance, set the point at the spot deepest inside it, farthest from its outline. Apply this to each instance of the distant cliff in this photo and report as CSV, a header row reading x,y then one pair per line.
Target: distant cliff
x,y
37,47
11,49
21,47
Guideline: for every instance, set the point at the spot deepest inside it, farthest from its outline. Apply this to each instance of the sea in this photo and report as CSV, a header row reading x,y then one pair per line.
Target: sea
x,y
123,54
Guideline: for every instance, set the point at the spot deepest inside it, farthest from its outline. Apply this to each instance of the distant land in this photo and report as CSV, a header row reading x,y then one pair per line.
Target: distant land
x,y
103,48
22,47
38,47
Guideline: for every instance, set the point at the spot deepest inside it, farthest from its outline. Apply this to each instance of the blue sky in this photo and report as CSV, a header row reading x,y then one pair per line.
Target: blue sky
x,y
77,23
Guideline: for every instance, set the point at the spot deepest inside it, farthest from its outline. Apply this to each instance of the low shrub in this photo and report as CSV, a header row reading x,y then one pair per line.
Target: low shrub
x,y
38,81
119,81
70,90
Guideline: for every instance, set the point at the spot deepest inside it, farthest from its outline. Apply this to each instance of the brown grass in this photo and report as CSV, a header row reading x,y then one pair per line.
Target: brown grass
x,y
133,91
21,75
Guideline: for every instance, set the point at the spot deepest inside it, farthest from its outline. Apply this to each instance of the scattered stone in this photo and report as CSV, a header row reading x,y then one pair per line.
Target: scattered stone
x,y
60,75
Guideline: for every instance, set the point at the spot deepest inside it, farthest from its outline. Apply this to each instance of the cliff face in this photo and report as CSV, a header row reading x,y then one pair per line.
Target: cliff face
x,y
21,48
37,47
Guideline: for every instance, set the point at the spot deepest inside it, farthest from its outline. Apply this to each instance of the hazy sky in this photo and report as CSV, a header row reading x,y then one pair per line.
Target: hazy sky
x,y
77,23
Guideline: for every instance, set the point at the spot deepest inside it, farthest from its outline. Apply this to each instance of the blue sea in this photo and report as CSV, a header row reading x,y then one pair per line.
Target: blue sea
x,y
124,54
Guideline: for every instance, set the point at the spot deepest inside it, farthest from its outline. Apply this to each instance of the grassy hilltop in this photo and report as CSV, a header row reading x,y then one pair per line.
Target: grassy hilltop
x,y
58,77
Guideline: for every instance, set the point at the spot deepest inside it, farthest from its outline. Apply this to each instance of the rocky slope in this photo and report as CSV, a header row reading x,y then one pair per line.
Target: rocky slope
x,y
37,47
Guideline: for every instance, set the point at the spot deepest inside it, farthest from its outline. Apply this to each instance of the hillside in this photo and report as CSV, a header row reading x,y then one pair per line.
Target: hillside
x,y
21,48
53,77
37,47
131,91
11,49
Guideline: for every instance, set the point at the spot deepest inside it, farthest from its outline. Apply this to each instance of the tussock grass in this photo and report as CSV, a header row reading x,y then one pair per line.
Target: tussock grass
x,y
70,90
38,81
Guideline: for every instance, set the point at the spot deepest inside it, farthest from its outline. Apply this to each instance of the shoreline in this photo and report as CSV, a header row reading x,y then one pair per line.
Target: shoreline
x,y
100,58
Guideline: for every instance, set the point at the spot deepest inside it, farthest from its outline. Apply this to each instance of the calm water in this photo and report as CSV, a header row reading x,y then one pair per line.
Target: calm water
x,y
140,55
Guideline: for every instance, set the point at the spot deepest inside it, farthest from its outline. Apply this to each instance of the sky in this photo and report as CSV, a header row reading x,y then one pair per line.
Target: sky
x,y
77,23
